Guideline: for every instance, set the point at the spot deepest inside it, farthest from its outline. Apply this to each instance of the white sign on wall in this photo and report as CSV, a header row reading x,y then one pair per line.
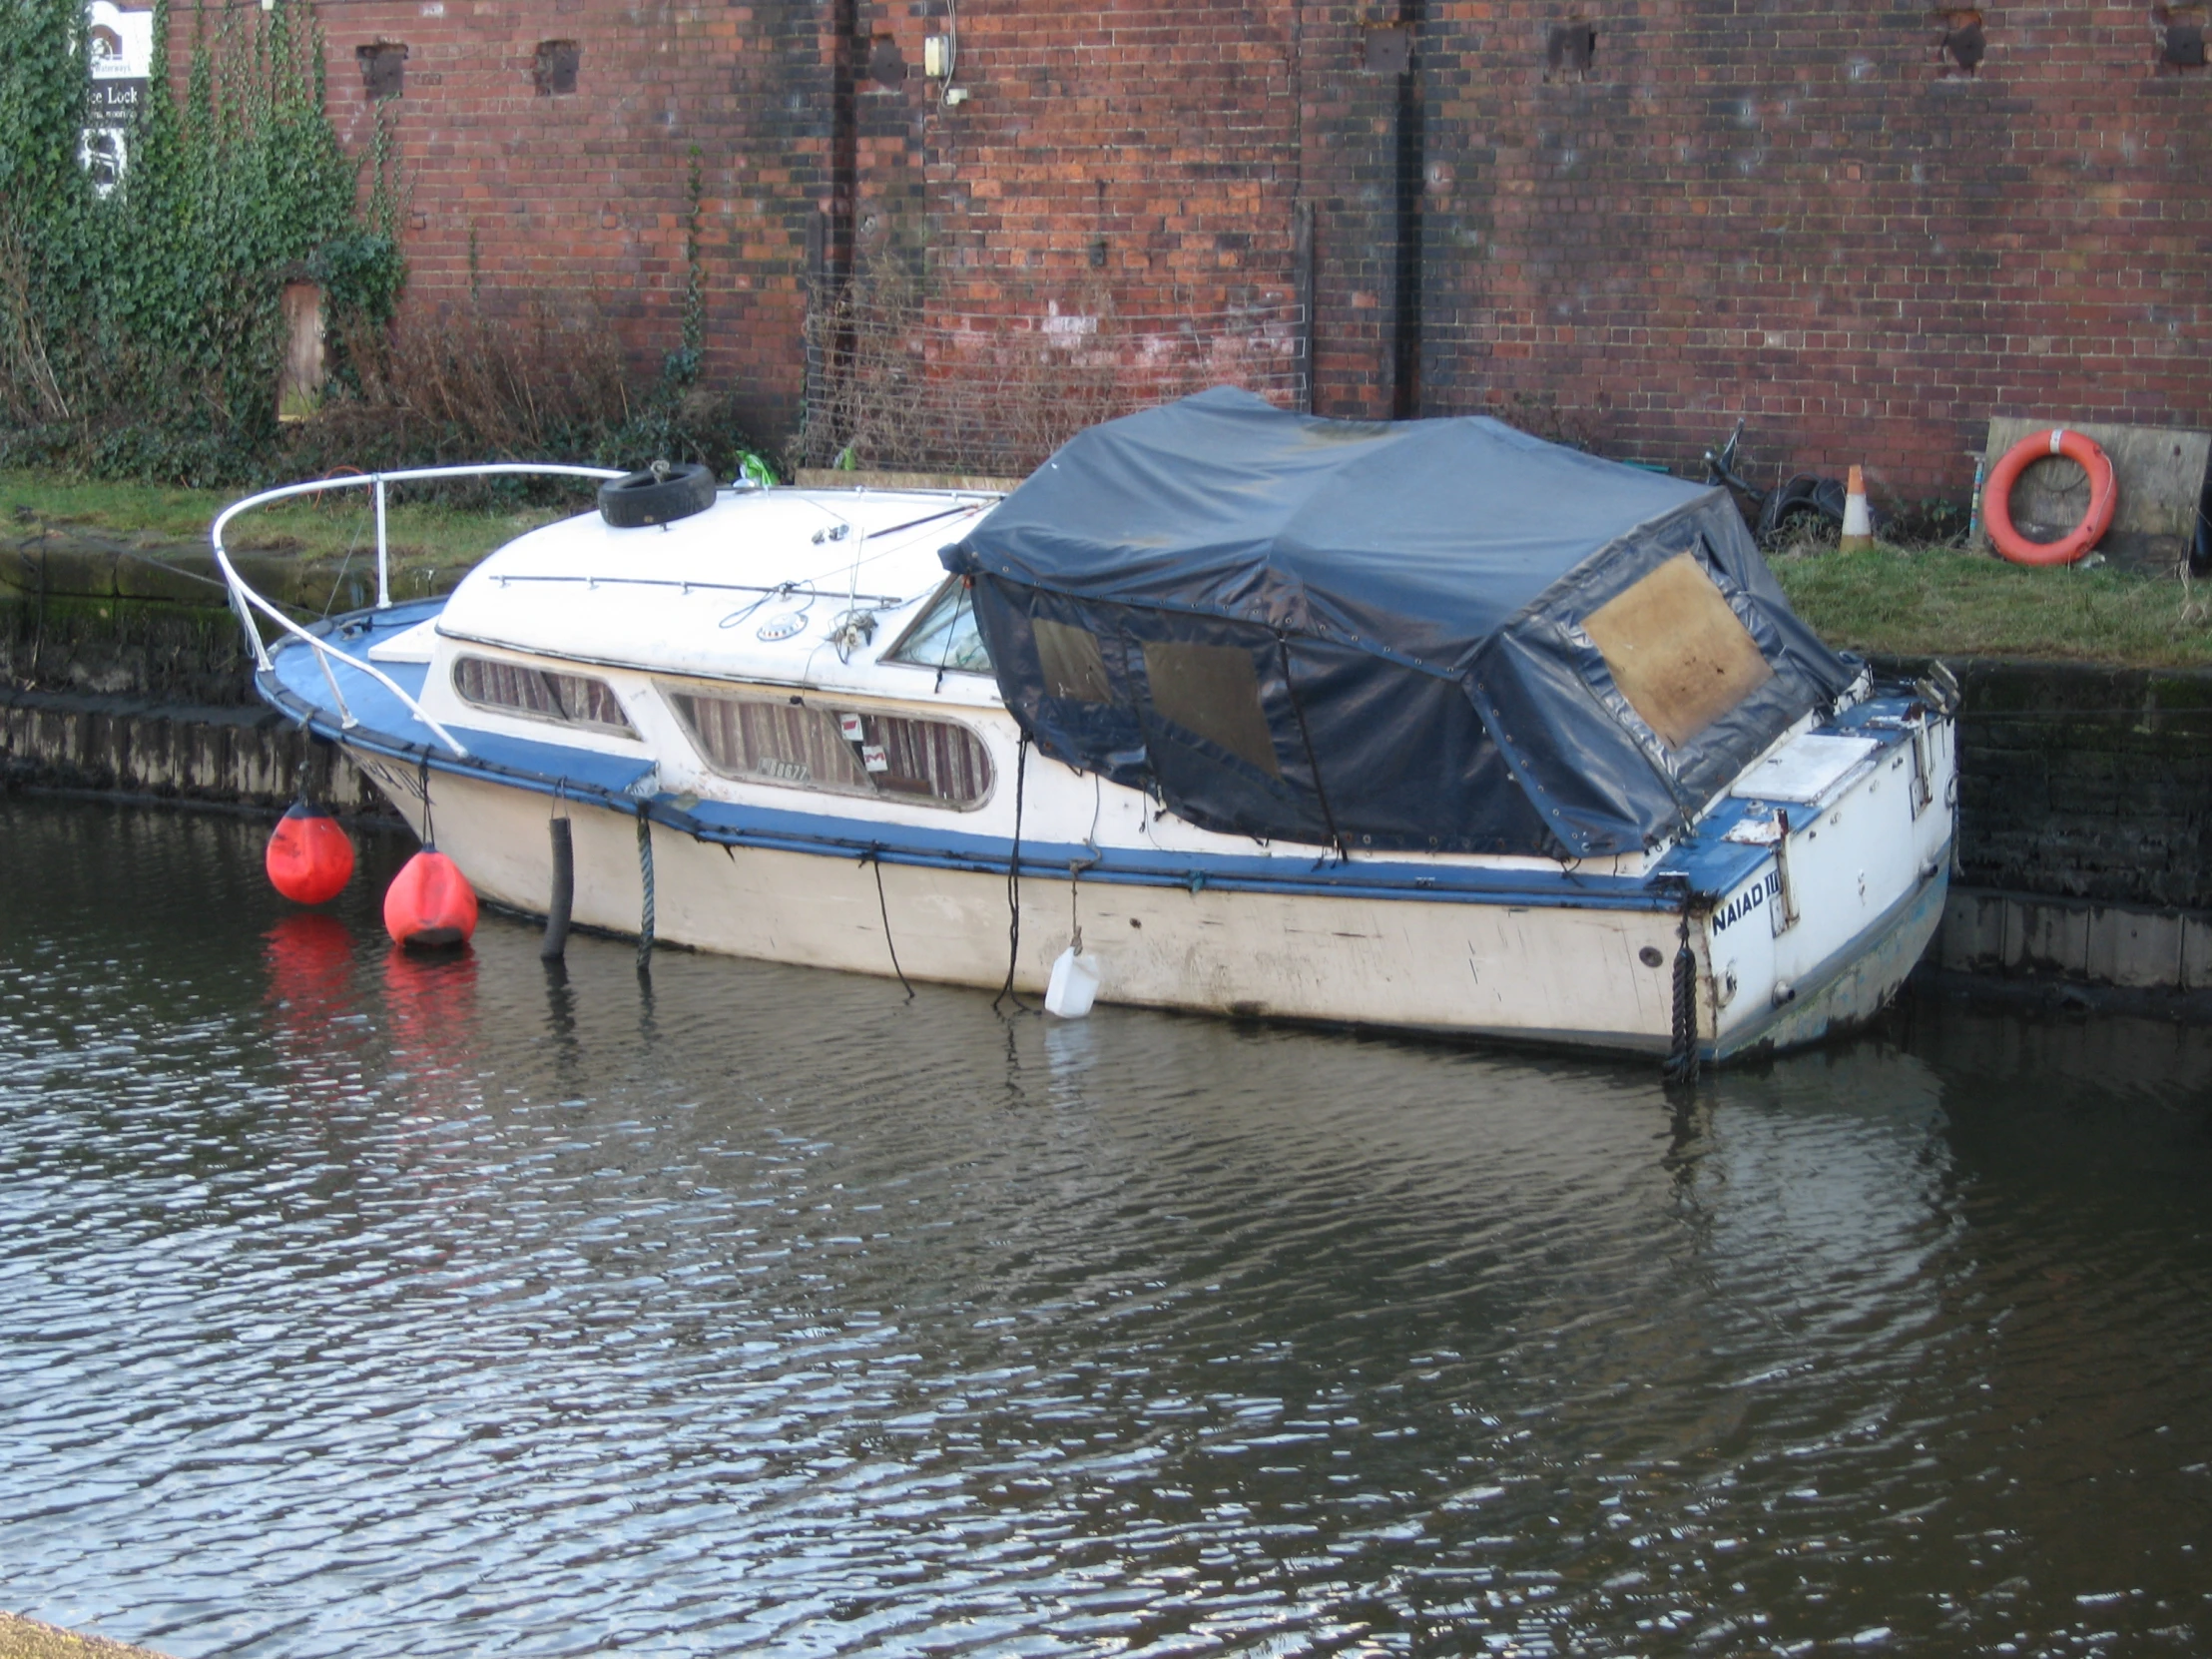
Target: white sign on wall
x,y
121,46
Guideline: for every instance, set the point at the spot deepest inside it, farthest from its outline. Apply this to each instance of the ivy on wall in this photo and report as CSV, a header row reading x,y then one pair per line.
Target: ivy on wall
x,y
139,331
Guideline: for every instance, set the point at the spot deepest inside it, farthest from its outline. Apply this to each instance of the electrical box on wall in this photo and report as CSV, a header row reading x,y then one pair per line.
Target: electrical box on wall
x,y
936,57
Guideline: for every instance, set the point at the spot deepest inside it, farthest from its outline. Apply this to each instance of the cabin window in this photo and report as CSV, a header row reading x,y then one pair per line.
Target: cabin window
x,y
1212,690
1072,664
1677,652
540,694
766,737
946,636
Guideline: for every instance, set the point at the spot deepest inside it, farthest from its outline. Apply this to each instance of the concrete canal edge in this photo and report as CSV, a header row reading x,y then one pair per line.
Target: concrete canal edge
x,y
123,672
22,1638
2085,804
87,742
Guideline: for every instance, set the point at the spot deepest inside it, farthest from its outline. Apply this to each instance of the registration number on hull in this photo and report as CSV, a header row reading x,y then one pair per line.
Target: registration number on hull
x,y
1762,893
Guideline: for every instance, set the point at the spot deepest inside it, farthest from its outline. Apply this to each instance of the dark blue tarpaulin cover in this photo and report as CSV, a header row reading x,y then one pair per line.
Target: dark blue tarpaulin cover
x,y
1317,630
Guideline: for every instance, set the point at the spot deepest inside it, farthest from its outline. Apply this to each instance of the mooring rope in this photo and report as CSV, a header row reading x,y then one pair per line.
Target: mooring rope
x,y
1006,991
1682,1059
875,855
645,882
429,832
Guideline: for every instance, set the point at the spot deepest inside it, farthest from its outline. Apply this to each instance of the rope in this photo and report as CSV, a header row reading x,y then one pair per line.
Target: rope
x,y
429,836
645,882
875,855
1006,991
1312,764
1682,1059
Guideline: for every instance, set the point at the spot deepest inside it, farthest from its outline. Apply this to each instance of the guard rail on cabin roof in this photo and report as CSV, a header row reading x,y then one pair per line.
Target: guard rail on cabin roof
x,y
244,601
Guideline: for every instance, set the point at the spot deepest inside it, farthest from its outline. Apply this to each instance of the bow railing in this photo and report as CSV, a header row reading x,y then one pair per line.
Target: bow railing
x,y
246,603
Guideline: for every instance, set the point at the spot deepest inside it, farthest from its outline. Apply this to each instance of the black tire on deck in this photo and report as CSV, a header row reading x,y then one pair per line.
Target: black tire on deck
x,y
661,495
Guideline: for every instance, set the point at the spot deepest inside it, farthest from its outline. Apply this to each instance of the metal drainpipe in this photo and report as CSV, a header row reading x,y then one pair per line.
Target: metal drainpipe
x,y
1412,163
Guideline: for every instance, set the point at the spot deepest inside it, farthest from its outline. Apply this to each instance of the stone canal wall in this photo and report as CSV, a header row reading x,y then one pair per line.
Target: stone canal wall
x,y
122,745
123,671
2085,801
2084,824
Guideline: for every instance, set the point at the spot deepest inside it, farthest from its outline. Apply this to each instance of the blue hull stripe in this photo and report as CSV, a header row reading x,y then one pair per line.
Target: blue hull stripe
x,y
1704,867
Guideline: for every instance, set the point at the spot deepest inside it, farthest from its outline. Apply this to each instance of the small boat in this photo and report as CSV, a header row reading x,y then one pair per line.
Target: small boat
x,y
1428,725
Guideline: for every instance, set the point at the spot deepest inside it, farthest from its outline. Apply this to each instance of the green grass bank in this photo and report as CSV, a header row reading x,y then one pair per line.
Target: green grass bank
x,y
1886,601
456,528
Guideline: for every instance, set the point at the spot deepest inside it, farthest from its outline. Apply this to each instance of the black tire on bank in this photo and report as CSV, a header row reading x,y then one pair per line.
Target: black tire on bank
x,y
657,497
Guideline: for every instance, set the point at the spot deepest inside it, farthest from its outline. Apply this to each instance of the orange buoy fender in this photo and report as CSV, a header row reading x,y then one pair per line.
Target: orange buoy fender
x,y
309,858
429,903
1997,499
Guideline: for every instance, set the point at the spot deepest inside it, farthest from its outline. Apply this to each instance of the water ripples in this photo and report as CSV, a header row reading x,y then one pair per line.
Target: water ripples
x,y
360,1304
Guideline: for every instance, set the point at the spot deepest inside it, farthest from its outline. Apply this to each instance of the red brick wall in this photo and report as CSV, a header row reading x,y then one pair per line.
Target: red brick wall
x,y
1792,212
1120,176
578,201
1787,211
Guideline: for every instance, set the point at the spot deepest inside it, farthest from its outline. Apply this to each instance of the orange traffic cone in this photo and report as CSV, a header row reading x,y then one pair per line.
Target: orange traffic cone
x,y
1857,526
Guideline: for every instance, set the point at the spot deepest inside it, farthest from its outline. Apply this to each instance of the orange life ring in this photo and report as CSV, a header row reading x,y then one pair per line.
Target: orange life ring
x,y
1997,499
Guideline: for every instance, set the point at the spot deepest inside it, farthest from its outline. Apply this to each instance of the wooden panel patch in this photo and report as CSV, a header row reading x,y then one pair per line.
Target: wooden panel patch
x,y
1676,650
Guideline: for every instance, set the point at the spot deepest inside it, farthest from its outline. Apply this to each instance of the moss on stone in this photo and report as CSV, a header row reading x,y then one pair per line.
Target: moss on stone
x,y
22,1638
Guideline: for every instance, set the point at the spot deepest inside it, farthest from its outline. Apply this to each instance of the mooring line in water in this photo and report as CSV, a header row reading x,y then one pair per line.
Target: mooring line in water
x,y
875,855
1682,1059
645,882
1006,991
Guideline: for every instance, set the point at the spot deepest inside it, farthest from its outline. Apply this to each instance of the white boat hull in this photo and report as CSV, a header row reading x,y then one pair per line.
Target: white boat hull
x,y
1549,973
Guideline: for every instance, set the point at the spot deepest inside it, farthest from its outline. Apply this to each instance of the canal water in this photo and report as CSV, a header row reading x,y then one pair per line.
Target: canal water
x,y
355,1305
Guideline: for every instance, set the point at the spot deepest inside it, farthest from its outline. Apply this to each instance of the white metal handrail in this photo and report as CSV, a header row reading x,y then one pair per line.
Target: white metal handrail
x,y
244,601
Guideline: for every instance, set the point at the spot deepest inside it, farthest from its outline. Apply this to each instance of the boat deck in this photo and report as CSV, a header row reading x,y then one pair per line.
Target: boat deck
x,y
1705,863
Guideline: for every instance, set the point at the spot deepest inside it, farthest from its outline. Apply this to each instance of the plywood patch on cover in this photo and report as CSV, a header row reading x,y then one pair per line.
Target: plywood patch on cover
x,y
1677,652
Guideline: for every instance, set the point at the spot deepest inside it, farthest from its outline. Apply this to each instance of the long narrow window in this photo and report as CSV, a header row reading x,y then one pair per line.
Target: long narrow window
x,y
540,694
764,738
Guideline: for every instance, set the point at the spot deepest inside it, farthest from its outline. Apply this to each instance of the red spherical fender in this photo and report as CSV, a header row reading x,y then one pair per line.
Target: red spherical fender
x,y
1997,500
429,903
309,858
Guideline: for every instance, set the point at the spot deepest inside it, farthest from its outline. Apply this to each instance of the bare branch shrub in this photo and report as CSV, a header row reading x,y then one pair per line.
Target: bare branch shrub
x,y
549,381
1544,416
504,386
30,392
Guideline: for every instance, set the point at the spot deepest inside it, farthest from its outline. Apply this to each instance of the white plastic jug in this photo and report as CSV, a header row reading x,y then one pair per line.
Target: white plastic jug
x,y
1073,986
